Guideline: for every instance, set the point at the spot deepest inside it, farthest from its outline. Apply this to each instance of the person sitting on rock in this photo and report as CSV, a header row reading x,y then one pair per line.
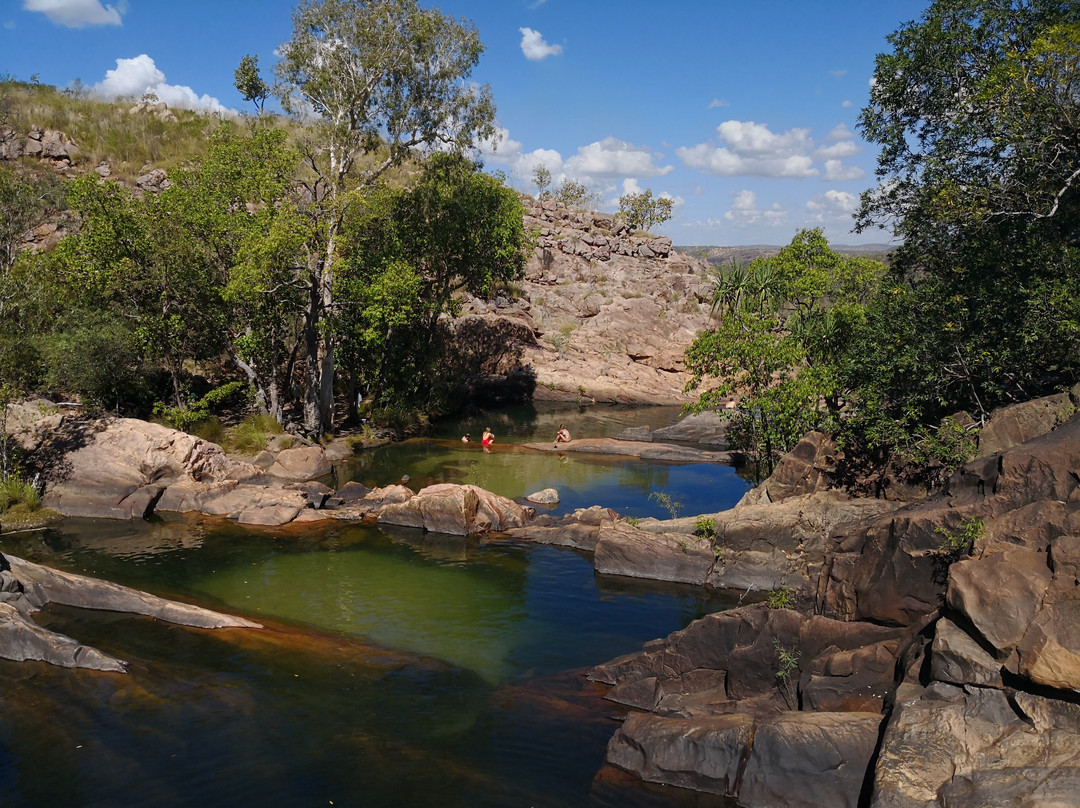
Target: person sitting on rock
x,y
466,438
488,437
563,435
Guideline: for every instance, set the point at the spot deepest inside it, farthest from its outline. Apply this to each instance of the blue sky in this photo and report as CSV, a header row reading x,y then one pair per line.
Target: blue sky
x,y
743,112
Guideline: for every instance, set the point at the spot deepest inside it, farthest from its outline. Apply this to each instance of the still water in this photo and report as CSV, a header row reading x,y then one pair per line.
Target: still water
x,y
396,668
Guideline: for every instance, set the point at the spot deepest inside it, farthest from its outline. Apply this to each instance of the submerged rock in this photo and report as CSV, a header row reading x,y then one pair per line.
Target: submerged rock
x,y
28,587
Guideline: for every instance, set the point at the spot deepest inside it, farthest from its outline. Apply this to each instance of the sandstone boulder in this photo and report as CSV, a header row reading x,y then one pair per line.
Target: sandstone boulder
x,y
627,551
460,510
304,463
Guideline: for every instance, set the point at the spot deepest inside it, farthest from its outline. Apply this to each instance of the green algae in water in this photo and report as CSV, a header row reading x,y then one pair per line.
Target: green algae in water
x,y
393,598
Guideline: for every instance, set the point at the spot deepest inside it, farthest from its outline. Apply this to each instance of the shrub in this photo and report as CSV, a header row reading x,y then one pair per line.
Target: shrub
x,y
672,506
781,598
705,527
15,491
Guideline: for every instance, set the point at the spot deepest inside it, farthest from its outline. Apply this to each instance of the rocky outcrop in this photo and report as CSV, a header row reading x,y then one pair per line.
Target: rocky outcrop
x,y
43,144
120,468
27,587
921,673
608,313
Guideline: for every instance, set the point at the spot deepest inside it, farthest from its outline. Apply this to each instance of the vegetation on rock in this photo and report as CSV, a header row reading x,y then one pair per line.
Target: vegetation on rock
x,y
978,309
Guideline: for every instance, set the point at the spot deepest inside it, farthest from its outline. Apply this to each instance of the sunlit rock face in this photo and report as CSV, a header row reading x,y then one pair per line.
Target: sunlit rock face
x,y
602,314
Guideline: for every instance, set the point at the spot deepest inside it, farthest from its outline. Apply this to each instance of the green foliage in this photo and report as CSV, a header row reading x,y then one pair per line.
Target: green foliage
x,y
633,521
541,177
672,506
573,194
194,412
705,526
250,84
784,341
642,211
15,490
408,253
386,78
781,598
26,202
959,543
787,665
153,260
979,182
112,379
250,436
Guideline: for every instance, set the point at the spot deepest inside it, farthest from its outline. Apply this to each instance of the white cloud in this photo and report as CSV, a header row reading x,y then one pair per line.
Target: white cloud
x,y
845,148
77,13
847,105
839,132
138,76
505,151
717,102
836,74
745,211
836,171
612,158
752,150
832,206
534,47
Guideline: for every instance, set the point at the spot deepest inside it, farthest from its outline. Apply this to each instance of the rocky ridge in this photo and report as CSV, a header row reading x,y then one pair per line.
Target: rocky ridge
x,y
603,313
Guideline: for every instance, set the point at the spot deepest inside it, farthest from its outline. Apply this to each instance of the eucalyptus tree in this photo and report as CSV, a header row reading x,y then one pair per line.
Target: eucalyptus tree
x,y
249,82
382,78
977,112
642,210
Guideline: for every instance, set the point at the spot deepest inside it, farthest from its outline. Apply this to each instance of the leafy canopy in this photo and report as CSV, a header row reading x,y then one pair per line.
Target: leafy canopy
x,y
643,211
786,327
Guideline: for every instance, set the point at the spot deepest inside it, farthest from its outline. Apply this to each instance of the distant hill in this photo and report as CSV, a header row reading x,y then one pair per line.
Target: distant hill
x,y
744,254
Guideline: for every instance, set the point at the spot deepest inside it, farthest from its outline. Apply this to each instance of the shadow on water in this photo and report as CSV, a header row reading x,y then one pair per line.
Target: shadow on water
x,y
397,668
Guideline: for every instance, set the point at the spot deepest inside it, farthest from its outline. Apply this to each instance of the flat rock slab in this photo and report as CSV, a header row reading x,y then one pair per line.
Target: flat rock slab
x,y
654,452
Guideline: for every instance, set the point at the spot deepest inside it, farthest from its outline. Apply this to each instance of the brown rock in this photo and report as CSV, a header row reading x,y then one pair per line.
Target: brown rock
x,y
702,753
976,586
1050,650
809,760
305,463
958,659
1012,425
627,551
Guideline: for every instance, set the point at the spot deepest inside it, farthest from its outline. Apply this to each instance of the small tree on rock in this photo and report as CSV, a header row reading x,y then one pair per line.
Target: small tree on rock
x,y
643,211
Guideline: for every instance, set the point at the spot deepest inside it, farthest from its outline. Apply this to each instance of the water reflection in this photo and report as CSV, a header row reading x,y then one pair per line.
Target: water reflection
x,y
620,483
397,667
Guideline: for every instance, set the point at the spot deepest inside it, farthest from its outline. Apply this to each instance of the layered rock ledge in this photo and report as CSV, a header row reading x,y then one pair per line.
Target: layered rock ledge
x,y
912,674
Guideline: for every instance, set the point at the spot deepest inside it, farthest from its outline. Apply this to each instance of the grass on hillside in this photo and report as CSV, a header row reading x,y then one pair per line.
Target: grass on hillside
x,y
103,129
107,130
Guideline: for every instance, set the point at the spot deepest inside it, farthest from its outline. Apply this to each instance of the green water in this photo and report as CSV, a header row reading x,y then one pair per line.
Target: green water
x,y
397,668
